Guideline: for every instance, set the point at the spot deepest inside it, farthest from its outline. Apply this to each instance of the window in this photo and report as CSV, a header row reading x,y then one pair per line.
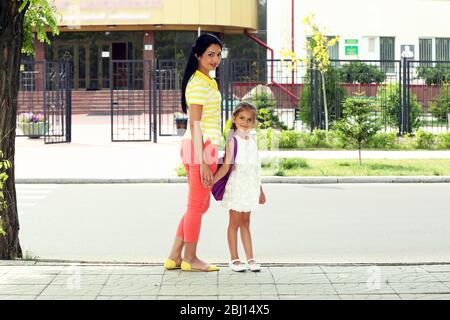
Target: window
x,y
426,49
443,49
387,52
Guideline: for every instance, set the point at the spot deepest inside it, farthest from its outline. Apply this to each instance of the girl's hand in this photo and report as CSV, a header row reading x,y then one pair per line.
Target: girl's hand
x,y
206,175
262,197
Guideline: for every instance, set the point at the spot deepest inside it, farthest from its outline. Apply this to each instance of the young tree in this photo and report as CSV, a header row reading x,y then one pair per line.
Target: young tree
x,y
18,20
318,57
358,124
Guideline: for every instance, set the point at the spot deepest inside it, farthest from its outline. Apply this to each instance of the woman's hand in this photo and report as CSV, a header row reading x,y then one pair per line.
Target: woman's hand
x,y
206,175
262,197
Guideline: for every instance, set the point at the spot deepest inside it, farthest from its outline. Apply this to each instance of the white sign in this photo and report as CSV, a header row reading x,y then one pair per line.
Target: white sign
x,y
105,54
148,47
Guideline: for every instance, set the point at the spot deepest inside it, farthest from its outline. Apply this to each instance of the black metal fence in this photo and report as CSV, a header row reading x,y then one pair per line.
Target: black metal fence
x,y
44,101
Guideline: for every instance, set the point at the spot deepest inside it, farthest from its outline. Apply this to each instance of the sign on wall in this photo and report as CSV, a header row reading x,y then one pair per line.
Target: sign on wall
x,y
351,47
407,51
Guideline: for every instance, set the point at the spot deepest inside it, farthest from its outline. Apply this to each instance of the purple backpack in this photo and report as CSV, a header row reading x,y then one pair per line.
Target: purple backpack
x,y
218,188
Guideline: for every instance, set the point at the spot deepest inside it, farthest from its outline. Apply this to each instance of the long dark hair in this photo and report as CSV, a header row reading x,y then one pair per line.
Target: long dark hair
x,y
200,46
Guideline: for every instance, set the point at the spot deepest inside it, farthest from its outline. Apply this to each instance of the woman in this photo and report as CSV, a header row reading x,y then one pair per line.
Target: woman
x,y
201,98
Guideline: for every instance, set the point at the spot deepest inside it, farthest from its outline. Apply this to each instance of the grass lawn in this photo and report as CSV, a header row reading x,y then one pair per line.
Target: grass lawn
x,y
351,167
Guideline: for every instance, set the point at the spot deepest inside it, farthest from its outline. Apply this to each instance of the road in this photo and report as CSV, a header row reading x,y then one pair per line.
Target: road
x,y
335,223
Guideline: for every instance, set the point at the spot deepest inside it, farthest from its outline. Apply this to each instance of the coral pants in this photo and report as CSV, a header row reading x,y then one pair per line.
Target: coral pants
x,y
198,195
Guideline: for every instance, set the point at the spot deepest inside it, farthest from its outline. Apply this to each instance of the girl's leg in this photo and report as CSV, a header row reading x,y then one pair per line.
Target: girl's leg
x,y
232,233
246,236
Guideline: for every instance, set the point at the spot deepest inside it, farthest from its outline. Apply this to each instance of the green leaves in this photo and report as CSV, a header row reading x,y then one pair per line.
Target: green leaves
x,y
4,165
38,17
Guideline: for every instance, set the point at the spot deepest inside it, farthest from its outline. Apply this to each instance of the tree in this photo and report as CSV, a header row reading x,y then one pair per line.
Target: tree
x,y
18,20
318,58
358,124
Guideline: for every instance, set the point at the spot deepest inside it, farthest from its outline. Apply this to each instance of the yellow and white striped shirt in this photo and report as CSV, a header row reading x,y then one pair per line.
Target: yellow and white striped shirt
x,y
203,90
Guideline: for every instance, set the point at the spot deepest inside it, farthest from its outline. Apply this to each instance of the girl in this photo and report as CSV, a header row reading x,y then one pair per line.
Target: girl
x,y
243,191
199,147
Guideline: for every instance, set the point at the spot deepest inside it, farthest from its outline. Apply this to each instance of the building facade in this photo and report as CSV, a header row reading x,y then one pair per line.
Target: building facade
x,y
368,30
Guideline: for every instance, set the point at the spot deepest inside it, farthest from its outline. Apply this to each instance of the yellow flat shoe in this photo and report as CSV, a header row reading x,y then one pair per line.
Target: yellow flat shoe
x,y
170,264
185,266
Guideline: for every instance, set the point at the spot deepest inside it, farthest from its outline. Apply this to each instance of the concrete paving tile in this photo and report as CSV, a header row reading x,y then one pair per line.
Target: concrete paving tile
x,y
309,297
256,297
17,262
87,270
411,278
63,279
129,288
17,297
436,267
187,298
72,290
300,269
418,287
362,288
35,270
182,278
350,277
425,296
31,290
126,297
185,290
441,276
305,289
345,269
11,278
248,290
401,269
144,270
57,297
116,279
246,278
300,277
369,297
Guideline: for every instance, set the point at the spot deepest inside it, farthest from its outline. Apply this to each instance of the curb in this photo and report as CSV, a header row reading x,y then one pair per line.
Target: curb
x,y
267,179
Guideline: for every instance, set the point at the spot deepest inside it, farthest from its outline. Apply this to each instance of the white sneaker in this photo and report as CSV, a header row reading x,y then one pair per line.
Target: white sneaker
x,y
254,267
236,267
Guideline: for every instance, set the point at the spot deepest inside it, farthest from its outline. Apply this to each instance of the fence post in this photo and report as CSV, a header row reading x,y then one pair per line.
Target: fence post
x,y
317,110
404,91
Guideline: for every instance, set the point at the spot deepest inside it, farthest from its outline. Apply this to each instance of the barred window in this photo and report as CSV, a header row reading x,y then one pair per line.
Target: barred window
x,y
443,49
426,49
387,52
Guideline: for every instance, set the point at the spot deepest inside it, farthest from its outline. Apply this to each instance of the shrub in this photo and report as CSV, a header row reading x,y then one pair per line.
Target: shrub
x,y
383,140
266,115
288,139
443,140
390,105
441,107
317,139
434,75
293,163
360,72
424,140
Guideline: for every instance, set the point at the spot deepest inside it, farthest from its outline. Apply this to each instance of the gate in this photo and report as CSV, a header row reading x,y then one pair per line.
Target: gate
x,y
44,105
133,101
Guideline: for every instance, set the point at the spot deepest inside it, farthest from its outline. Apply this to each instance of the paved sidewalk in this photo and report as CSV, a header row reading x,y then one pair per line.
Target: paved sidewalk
x,y
32,280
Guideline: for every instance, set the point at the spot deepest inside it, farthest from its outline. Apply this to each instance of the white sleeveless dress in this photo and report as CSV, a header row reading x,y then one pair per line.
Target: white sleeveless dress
x,y
243,186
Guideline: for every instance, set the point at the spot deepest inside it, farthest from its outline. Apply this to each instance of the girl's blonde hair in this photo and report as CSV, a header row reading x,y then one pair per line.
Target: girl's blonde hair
x,y
241,107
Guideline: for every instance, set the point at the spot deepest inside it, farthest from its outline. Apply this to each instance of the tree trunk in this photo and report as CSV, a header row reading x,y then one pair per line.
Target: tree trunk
x,y
324,89
11,38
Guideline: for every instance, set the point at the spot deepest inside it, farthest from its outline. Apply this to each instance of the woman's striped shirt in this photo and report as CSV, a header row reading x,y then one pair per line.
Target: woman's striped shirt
x,y
203,90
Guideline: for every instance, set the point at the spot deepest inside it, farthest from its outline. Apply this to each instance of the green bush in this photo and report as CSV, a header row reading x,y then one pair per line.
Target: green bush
x,y
360,72
443,140
441,107
390,105
383,140
434,75
424,140
266,138
317,139
288,139
293,163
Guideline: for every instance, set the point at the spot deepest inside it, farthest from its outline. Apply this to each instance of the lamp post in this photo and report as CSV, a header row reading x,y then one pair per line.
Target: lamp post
x,y
224,85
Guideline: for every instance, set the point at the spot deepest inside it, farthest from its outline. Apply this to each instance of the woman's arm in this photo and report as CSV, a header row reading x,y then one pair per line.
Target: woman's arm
x,y
228,161
195,117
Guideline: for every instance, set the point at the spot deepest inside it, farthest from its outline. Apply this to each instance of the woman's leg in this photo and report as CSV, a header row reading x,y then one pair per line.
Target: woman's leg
x,y
232,233
246,236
